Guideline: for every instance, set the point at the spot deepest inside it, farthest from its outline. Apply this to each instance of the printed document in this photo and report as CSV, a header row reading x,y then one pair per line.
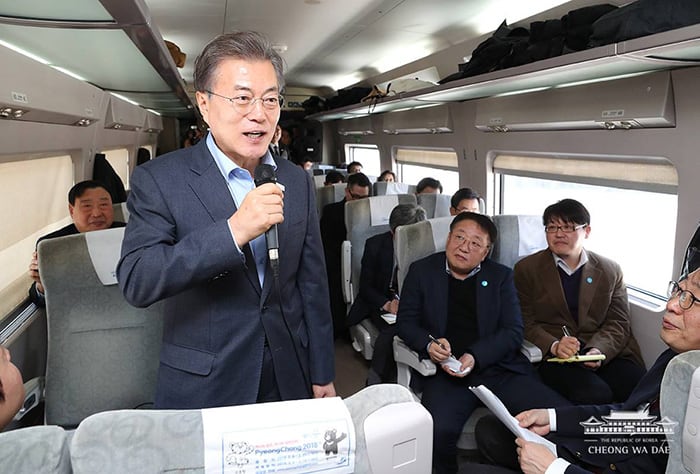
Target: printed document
x,y
499,409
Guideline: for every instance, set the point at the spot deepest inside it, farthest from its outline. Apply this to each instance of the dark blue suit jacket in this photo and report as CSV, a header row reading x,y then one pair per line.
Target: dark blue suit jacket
x,y
178,248
375,277
423,311
570,436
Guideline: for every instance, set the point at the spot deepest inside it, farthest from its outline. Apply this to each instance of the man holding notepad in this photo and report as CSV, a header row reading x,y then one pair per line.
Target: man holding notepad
x,y
575,309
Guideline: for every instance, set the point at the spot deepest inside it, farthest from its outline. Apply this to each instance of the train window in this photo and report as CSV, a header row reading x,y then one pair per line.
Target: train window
x,y
418,163
39,188
632,198
119,159
368,155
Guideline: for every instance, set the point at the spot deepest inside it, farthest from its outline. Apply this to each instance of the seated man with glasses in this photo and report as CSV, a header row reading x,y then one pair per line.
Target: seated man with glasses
x,y
459,307
574,302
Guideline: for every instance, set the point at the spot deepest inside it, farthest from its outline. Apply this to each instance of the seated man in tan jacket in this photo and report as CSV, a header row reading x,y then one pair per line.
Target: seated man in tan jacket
x,y
567,289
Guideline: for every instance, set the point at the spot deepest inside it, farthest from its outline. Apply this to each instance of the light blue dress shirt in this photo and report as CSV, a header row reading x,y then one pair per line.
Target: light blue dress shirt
x,y
240,183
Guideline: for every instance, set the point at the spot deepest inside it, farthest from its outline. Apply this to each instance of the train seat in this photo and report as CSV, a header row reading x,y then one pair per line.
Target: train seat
x,y
121,213
363,219
328,195
435,205
518,237
393,433
102,352
680,403
36,449
382,188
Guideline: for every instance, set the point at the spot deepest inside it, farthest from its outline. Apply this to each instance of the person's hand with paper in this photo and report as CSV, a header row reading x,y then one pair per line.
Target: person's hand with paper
x,y
536,420
440,352
534,458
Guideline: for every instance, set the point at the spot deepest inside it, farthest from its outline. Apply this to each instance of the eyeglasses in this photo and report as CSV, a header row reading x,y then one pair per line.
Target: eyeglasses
x,y
686,299
358,196
566,228
473,245
244,103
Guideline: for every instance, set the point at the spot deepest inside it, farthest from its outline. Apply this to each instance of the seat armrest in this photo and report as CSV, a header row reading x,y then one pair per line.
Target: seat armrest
x,y
407,359
346,271
531,351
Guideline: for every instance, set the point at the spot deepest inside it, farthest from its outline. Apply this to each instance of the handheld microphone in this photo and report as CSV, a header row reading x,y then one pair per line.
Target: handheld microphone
x,y
266,174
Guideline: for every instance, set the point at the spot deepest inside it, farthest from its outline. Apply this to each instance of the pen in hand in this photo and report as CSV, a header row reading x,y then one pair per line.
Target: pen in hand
x,y
566,332
438,342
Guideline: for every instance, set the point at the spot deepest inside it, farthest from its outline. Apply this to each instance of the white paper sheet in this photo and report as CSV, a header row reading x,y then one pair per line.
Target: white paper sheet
x,y
498,408
301,436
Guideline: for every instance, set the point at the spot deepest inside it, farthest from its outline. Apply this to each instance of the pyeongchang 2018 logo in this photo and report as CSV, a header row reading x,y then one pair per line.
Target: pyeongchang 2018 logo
x,y
628,432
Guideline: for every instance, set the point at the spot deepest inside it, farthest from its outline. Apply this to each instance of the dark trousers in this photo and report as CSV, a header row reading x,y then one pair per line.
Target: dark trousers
x,y
450,402
383,365
268,390
613,382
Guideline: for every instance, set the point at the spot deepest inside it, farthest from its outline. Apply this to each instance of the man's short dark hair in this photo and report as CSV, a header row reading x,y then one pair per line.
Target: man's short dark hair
x,y
358,179
405,214
79,189
462,194
483,221
428,183
567,210
351,165
334,176
245,45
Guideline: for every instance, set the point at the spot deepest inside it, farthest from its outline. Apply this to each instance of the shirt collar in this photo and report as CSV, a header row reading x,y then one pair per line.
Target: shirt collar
x,y
558,261
474,271
225,164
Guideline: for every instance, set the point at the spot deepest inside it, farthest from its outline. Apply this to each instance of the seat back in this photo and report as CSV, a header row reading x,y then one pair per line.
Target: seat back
x,y
680,403
121,213
328,195
393,434
319,180
415,241
435,205
102,352
518,237
382,188
37,449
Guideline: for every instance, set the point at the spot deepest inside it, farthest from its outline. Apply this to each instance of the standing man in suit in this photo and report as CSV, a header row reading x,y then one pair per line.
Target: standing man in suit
x,y
460,304
566,285
680,330
234,332
333,233
379,292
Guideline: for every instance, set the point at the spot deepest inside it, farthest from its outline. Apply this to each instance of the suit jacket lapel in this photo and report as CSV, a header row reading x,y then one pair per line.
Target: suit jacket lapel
x,y
590,278
211,189
551,282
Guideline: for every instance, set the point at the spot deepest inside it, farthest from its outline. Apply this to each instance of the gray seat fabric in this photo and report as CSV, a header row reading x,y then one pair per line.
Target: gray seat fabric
x,y
35,450
435,205
415,241
518,237
121,213
680,403
358,222
134,441
382,188
328,195
102,352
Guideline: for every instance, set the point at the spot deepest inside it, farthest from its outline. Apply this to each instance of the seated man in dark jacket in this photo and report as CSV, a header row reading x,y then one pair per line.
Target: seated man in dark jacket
x,y
90,207
460,308
378,292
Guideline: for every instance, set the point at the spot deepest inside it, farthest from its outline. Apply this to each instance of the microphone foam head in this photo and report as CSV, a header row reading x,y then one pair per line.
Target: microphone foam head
x,y
264,173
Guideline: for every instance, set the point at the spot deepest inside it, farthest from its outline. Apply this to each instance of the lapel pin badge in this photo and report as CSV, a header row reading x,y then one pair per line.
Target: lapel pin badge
x,y
484,283
589,280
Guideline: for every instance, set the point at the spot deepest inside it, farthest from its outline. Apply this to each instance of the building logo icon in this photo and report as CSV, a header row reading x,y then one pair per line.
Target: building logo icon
x,y
631,423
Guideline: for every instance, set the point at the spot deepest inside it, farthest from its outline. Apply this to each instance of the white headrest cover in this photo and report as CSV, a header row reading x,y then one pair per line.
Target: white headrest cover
x,y
380,208
396,188
104,247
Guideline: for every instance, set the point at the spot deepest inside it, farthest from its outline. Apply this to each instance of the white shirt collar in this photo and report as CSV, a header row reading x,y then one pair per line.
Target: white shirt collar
x,y
568,270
